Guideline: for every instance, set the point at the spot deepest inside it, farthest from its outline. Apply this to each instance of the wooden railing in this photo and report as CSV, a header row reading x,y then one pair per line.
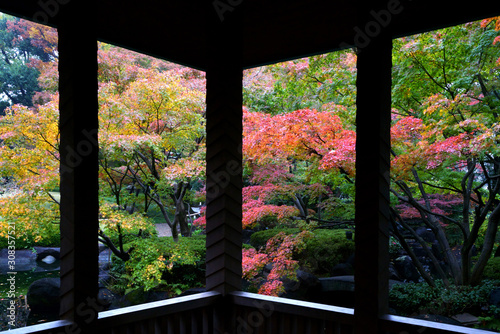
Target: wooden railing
x,y
190,314
255,313
53,327
239,313
393,324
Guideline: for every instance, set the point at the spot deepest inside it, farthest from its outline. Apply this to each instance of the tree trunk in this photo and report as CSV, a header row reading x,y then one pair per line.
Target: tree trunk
x,y
489,241
180,217
411,253
180,209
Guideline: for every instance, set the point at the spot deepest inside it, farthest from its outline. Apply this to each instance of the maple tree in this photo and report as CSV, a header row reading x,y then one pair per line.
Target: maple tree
x,y
445,139
297,157
444,142
307,83
151,133
152,139
279,251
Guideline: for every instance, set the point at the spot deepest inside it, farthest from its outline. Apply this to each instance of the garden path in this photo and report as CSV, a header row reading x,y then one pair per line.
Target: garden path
x,y
163,230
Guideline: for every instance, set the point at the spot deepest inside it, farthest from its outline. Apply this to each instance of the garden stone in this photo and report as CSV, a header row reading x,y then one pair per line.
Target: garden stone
x,y
102,247
44,252
267,269
105,297
306,285
425,234
25,260
136,297
49,259
43,295
50,264
338,291
466,319
393,273
406,269
419,251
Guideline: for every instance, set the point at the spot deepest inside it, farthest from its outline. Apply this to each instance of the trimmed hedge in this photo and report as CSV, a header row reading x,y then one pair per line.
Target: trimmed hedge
x,y
259,239
323,251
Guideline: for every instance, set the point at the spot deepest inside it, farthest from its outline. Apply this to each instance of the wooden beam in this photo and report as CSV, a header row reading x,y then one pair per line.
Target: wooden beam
x,y
273,31
79,165
372,180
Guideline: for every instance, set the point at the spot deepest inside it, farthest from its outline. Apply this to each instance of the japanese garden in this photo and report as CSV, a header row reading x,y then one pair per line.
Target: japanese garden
x,y
299,144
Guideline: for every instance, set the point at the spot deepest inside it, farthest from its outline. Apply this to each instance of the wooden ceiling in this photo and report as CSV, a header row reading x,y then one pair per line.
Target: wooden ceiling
x,y
273,30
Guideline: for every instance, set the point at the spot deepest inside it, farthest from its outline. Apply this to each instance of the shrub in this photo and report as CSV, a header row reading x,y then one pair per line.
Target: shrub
x,y
411,297
131,224
421,298
160,263
492,269
31,219
325,250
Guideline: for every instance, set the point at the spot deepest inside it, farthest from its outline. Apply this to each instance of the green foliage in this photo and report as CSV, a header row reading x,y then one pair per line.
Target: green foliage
x,y
162,264
18,81
31,219
302,83
325,250
492,269
394,246
131,225
492,320
421,298
411,297
247,246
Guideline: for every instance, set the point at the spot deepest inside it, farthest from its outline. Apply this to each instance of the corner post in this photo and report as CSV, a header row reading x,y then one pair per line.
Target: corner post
x,y
78,127
224,149
373,101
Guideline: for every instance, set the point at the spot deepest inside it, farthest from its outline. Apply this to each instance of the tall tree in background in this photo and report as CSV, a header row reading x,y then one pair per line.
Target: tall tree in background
x,y
445,140
24,47
151,133
152,141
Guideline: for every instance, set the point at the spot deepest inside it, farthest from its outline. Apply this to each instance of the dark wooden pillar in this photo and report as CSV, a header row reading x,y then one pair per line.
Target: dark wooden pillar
x,y
78,151
224,156
372,179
